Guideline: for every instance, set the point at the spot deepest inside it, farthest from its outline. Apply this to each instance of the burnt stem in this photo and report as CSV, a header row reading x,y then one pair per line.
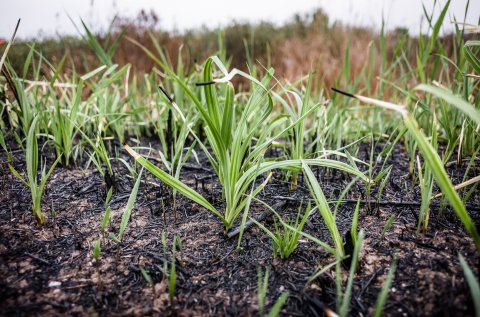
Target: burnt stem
x,y
344,93
205,83
166,94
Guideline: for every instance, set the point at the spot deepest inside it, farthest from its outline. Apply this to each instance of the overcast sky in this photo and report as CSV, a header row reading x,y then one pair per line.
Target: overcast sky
x,y
50,17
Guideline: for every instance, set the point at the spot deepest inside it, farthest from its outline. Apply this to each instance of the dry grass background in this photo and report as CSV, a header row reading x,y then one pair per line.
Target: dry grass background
x,y
304,43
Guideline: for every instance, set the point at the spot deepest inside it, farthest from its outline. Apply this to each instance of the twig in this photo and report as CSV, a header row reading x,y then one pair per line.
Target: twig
x,y
381,203
461,185
87,189
185,165
196,167
37,258
119,199
145,182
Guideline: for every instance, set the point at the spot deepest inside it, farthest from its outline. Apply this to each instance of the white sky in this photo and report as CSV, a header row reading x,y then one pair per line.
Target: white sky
x,y
50,17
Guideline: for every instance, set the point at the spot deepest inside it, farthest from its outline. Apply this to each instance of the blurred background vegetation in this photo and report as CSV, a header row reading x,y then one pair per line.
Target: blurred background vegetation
x,y
305,42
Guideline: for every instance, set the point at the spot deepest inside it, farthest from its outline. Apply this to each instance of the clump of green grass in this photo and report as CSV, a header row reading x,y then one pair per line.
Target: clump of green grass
x,y
285,240
430,155
32,180
236,159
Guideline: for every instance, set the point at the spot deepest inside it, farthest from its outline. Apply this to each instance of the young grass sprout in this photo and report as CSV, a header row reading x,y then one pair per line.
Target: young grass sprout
x,y
285,241
128,211
31,181
472,283
262,285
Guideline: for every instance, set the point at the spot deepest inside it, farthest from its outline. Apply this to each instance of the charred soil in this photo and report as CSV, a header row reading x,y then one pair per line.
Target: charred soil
x,y
50,270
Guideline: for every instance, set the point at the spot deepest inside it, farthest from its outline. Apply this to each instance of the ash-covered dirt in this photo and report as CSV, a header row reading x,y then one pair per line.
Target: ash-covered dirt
x,y
50,270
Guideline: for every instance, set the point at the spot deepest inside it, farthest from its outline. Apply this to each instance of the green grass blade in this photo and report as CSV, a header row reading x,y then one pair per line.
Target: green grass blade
x,y
353,268
93,72
2,141
146,276
17,174
388,224
382,297
45,177
262,284
438,24
353,230
58,70
275,310
172,277
324,209
264,229
31,155
111,50
28,60
106,218
128,209
472,283
292,229
109,196
173,182
472,59
97,248
323,270
228,115
97,48
457,102
470,56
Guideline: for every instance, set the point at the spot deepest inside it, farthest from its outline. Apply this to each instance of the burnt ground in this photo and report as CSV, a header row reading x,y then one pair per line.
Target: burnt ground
x,y
50,270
